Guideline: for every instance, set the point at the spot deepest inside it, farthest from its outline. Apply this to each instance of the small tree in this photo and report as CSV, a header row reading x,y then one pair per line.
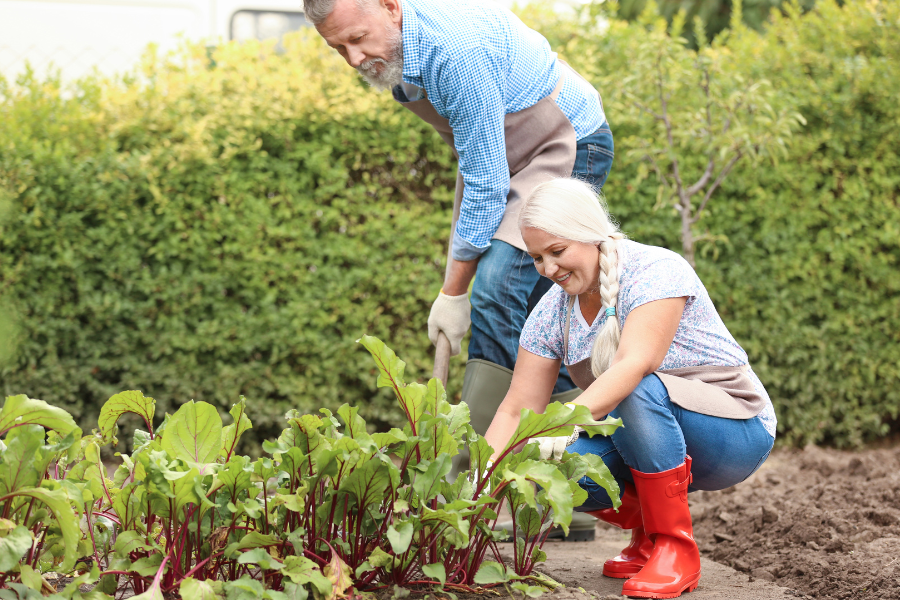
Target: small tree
x,y
698,116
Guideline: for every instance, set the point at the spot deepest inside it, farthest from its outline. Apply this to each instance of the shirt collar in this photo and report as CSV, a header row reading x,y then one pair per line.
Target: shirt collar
x,y
412,69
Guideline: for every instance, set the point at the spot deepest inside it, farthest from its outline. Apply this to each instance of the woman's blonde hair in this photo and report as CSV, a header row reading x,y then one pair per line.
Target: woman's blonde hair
x,y
570,208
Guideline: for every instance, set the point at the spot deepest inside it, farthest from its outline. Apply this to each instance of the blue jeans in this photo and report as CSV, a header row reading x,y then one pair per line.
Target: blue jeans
x,y
657,434
507,286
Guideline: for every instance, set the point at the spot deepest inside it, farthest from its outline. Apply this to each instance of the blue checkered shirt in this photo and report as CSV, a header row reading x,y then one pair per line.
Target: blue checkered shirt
x,y
477,62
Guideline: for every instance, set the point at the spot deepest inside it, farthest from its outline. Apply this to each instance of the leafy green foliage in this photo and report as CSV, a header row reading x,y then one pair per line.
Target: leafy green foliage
x,y
715,15
333,509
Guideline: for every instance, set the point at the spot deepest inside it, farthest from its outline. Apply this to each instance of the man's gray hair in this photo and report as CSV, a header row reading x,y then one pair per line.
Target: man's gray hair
x,y
317,11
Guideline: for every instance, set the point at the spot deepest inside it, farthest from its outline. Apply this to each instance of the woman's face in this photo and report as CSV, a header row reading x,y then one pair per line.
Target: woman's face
x,y
573,265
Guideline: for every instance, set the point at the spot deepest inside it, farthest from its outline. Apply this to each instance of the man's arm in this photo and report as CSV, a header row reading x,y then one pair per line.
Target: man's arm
x,y
470,93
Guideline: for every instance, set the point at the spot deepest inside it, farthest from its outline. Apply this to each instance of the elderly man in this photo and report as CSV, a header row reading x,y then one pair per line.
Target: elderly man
x,y
515,116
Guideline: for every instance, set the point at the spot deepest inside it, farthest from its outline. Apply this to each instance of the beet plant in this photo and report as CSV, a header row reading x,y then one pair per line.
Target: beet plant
x,y
331,510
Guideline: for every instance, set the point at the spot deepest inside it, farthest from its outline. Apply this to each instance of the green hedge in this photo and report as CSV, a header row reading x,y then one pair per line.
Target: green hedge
x,y
220,232
202,232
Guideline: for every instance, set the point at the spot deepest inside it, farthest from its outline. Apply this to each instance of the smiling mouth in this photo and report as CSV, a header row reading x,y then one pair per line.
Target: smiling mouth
x,y
564,278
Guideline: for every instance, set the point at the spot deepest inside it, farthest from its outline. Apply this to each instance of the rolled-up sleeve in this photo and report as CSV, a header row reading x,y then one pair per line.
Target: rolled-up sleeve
x,y
472,86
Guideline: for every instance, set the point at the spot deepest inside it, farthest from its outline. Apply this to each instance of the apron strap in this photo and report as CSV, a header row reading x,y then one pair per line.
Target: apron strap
x,y
566,328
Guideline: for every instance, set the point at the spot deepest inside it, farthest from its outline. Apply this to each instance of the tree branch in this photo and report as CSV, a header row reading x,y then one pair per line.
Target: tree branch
x,y
704,179
722,174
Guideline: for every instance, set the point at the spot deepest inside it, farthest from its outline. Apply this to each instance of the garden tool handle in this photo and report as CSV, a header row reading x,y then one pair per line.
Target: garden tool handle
x,y
442,358
442,348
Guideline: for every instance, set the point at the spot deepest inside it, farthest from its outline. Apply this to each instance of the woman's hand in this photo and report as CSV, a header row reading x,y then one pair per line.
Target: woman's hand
x,y
532,384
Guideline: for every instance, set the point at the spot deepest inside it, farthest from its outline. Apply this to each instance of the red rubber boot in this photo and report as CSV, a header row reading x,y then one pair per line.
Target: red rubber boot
x,y
634,556
674,564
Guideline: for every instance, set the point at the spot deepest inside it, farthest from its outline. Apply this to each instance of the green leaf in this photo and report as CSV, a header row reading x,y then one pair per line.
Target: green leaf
x,y
458,531
295,591
31,578
528,521
245,588
302,570
261,557
231,434
479,454
390,367
607,426
13,547
491,572
192,589
129,541
254,539
58,503
23,463
378,558
194,433
21,410
400,535
148,565
384,439
436,571
556,420
234,476
132,401
427,485
355,428
530,591
184,489
553,485
368,483
599,473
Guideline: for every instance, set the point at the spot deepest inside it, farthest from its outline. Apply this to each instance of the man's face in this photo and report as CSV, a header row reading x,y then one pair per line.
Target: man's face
x,y
371,41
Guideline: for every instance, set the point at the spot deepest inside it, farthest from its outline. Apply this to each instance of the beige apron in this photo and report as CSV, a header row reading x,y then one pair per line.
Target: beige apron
x,y
709,390
540,145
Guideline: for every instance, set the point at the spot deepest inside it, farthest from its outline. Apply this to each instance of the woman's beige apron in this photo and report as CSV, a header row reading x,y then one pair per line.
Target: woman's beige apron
x,y
709,390
540,145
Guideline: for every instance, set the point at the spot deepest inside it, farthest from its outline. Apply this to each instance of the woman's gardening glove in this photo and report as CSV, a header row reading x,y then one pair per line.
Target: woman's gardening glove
x,y
450,314
553,447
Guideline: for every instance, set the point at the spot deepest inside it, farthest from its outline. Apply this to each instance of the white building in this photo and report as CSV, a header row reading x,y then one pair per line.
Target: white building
x,y
77,36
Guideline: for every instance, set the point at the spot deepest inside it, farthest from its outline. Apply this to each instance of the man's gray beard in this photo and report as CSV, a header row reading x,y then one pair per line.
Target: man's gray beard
x,y
391,70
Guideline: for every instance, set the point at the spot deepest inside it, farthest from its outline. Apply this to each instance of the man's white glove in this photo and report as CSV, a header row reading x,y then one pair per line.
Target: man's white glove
x,y
553,447
452,315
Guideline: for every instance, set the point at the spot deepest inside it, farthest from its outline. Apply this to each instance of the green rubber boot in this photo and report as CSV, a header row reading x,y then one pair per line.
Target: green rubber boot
x,y
582,527
484,387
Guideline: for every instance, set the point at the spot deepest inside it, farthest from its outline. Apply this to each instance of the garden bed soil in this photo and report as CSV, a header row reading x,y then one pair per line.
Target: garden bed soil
x,y
813,523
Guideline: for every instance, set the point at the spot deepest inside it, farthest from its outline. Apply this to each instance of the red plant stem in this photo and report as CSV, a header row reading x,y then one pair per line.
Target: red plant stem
x,y
150,520
106,515
36,550
28,512
265,509
87,516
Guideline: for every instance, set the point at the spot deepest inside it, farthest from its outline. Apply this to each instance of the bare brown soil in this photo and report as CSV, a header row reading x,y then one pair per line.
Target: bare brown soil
x,y
823,522
814,523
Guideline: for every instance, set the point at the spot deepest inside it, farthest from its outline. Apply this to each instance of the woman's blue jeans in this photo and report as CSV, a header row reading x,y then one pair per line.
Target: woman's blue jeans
x,y
507,286
657,434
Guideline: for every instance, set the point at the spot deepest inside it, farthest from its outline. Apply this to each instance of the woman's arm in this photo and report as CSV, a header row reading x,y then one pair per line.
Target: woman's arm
x,y
532,384
646,338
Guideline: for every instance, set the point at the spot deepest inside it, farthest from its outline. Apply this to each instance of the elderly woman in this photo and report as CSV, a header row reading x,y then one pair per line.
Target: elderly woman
x,y
641,337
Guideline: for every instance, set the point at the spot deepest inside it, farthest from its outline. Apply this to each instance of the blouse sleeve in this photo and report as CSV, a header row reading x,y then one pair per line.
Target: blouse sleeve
x,y
666,276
